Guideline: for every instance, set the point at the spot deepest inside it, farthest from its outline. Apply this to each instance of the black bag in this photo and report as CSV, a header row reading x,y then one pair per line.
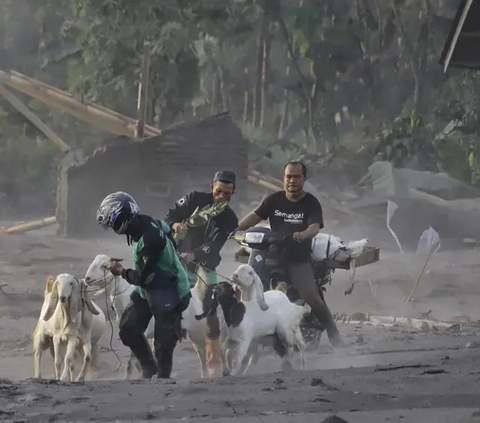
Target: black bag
x,y
162,296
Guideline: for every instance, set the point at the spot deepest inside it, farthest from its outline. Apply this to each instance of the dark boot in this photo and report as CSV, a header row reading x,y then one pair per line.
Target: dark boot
x,y
142,352
165,363
167,334
149,372
325,318
146,360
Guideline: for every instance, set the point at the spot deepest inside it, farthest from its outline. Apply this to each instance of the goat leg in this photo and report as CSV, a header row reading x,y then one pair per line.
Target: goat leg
x,y
58,349
131,361
224,349
238,357
38,348
301,347
250,357
69,362
87,357
202,357
128,370
94,364
282,346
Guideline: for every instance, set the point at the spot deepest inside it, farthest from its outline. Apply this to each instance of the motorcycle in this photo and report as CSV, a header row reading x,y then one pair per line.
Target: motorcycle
x,y
264,257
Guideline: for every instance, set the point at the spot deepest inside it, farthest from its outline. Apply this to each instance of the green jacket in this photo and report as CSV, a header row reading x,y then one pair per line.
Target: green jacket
x,y
168,260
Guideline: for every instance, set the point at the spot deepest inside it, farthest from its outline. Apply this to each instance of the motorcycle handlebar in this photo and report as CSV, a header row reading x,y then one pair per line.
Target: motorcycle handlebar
x,y
278,238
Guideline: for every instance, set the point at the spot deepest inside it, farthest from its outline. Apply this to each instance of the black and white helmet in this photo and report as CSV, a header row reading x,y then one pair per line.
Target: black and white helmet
x,y
117,211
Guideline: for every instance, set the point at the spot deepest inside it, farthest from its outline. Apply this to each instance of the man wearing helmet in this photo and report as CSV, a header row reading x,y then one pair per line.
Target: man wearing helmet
x,y
161,284
202,222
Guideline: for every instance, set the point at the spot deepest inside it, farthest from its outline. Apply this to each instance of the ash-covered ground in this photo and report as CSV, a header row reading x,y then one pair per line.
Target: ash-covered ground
x,y
384,373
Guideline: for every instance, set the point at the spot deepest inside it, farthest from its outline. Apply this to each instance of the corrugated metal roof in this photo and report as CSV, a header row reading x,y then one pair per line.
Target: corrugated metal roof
x,y
462,49
166,141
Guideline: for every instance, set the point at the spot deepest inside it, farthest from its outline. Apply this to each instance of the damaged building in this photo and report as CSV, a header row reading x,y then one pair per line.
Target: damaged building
x,y
155,171
461,49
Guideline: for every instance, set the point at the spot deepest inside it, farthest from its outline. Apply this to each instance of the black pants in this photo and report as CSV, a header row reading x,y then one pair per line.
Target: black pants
x,y
302,279
167,332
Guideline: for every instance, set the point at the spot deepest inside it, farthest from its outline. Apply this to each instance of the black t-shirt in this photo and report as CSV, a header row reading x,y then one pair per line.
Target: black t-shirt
x,y
288,217
207,241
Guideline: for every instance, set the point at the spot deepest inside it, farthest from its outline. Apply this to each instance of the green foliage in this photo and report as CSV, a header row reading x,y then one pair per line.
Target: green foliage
x,y
311,78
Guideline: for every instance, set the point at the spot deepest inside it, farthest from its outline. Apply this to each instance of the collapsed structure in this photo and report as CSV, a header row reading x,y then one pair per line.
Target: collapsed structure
x,y
155,171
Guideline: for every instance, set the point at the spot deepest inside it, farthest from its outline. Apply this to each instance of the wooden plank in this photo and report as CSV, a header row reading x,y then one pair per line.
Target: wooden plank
x,y
30,226
89,112
369,256
456,34
34,119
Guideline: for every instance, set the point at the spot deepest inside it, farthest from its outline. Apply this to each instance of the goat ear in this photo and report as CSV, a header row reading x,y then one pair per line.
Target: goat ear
x,y
52,302
49,285
75,301
115,259
259,289
88,301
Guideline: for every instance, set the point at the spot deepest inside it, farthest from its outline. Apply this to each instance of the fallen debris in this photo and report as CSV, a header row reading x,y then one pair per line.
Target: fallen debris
x,y
453,328
30,226
361,317
473,344
407,366
316,382
425,315
334,419
434,372
423,326
360,340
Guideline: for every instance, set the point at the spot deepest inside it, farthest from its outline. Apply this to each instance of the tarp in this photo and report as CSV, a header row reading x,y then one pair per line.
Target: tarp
x,y
388,182
424,199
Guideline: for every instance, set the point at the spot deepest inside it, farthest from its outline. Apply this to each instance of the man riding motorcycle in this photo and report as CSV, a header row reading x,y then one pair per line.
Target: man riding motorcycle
x,y
161,284
202,222
292,211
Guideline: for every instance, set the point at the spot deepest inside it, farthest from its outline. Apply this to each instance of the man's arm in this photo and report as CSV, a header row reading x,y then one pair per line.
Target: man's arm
x,y
262,212
209,253
315,221
251,219
308,233
182,210
154,243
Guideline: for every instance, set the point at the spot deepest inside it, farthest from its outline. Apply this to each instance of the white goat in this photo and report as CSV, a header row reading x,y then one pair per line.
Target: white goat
x,y
66,321
248,291
271,314
249,283
42,340
119,291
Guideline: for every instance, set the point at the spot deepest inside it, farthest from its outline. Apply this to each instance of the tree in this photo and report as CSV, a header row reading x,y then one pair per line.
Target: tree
x,y
327,80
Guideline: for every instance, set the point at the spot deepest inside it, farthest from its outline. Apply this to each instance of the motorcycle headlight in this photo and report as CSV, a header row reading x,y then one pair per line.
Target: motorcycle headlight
x,y
239,237
254,237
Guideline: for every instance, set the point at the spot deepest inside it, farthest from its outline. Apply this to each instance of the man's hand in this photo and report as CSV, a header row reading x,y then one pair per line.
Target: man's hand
x,y
179,228
299,236
188,256
115,268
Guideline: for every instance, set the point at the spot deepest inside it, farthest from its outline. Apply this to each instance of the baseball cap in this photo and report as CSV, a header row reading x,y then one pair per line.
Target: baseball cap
x,y
225,176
